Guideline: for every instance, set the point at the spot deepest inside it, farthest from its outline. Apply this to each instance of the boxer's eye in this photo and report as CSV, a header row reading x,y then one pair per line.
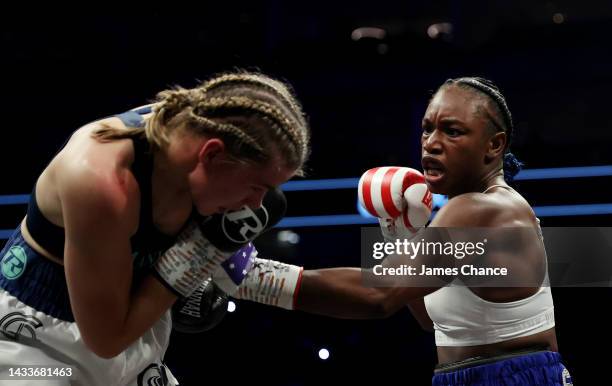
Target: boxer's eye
x,y
453,132
427,129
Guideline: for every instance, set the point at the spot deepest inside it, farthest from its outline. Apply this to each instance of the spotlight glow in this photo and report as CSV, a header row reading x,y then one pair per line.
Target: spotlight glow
x,y
435,30
231,306
368,32
323,353
558,18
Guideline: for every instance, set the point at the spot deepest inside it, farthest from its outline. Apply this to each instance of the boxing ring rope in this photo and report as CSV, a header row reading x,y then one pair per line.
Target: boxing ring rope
x,y
361,217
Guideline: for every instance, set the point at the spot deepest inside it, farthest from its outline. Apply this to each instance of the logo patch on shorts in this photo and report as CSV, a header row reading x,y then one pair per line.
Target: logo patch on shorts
x,y
153,375
18,324
567,378
14,262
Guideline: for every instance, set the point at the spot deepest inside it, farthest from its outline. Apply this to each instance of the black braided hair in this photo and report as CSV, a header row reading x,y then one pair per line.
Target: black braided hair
x,y
511,164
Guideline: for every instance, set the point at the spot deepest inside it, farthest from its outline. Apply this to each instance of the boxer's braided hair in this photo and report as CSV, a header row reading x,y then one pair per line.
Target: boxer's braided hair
x,y
502,121
252,113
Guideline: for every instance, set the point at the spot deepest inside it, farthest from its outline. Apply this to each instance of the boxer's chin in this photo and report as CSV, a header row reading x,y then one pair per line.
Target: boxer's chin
x,y
435,188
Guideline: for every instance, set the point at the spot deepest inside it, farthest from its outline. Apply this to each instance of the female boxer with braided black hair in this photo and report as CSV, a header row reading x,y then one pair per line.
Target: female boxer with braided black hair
x,y
486,335
83,285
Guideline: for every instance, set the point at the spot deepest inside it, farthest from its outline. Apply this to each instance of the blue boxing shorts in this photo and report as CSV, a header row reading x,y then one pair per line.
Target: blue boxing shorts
x,y
543,368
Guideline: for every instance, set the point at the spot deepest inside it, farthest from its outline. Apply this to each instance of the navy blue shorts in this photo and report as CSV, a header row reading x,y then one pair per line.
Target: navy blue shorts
x,y
33,279
543,368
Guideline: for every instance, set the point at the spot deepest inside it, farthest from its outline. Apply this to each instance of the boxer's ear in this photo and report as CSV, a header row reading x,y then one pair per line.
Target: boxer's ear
x,y
496,145
212,151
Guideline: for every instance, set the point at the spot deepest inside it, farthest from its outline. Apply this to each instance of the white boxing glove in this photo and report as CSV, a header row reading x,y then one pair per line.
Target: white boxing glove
x,y
208,241
399,197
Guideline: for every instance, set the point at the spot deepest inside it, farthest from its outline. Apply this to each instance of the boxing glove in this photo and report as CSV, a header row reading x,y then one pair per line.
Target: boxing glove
x,y
398,197
202,310
207,305
206,243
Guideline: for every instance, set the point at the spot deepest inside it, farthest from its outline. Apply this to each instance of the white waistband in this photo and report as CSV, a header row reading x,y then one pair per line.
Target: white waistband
x,y
536,324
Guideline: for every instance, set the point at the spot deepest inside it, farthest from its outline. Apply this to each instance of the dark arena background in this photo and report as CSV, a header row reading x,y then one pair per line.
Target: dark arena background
x,y
364,72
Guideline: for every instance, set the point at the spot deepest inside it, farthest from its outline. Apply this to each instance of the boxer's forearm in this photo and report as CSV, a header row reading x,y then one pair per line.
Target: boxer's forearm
x,y
335,292
268,282
146,306
339,293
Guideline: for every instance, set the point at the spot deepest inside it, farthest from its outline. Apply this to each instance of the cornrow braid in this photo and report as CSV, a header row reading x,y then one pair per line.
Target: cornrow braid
x,y
256,80
267,111
511,165
488,88
298,143
169,104
255,115
227,128
268,99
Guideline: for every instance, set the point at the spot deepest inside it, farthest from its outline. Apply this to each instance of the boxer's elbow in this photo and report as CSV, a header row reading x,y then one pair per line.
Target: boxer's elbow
x,y
107,353
103,349
104,346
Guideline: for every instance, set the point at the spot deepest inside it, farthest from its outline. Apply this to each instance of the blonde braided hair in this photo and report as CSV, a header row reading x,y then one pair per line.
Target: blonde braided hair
x,y
252,113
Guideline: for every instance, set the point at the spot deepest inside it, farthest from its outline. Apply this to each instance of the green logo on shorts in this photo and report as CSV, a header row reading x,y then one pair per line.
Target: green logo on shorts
x,y
14,263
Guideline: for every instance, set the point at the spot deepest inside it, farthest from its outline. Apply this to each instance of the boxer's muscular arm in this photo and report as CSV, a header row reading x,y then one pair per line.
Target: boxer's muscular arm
x,y
339,292
391,192
335,292
100,211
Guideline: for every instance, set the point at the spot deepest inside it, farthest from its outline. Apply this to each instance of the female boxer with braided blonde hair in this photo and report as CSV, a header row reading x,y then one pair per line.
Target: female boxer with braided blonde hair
x,y
77,287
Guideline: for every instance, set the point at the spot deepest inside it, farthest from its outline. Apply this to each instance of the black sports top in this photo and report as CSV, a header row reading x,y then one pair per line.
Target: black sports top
x,y
147,241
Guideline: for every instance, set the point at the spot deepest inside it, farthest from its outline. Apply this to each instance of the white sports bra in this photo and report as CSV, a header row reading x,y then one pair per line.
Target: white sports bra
x,y
462,318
